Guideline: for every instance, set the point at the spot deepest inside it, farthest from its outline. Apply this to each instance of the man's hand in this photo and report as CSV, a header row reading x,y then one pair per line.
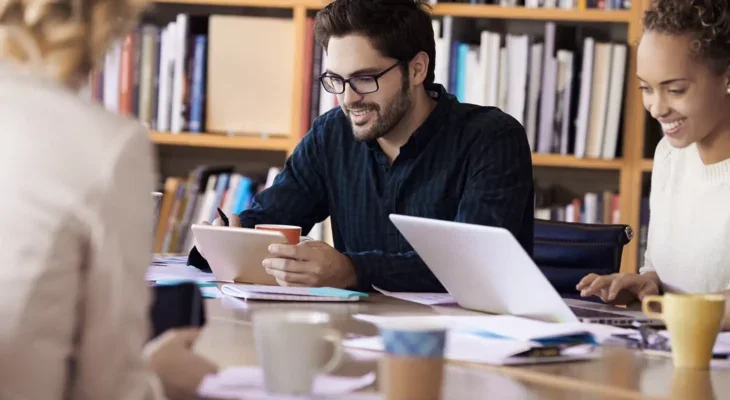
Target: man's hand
x,y
310,263
619,288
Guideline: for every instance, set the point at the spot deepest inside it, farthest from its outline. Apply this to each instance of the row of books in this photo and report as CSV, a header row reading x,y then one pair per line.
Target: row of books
x,y
569,100
197,197
591,208
202,73
150,76
563,4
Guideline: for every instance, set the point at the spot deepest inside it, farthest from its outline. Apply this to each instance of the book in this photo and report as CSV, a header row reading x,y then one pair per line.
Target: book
x,y
283,293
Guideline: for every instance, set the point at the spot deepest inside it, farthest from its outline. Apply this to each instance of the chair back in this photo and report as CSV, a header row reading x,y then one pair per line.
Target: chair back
x,y
567,252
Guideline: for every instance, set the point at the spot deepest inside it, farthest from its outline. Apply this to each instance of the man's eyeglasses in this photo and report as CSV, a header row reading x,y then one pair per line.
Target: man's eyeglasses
x,y
362,84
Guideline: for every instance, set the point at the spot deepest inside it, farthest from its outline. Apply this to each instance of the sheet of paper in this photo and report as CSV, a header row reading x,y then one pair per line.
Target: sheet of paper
x,y
429,299
248,383
507,326
169,260
177,272
460,347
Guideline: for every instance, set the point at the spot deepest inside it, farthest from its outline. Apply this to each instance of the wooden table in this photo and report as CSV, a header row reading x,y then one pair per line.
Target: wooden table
x,y
619,374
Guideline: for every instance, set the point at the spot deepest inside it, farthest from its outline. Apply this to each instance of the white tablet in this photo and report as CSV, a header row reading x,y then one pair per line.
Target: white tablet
x,y
236,254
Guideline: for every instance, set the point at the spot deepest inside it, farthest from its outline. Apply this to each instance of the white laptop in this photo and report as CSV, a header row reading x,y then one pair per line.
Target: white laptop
x,y
486,269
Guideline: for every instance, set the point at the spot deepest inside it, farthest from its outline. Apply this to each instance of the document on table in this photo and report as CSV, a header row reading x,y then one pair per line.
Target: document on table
x,y
429,299
177,272
248,383
510,327
722,342
484,350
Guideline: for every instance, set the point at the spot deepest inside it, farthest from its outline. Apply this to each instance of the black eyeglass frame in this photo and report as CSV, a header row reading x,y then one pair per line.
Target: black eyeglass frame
x,y
345,82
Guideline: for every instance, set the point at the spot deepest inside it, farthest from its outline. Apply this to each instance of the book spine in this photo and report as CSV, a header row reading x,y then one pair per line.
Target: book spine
x,y
198,86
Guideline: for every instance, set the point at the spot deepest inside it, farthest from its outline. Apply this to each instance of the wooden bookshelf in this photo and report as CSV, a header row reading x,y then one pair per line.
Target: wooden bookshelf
x,y
312,4
543,14
453,9
630,167
557,160
240,142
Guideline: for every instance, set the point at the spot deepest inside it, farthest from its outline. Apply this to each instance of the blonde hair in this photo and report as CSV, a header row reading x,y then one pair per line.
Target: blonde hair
x,y
64,38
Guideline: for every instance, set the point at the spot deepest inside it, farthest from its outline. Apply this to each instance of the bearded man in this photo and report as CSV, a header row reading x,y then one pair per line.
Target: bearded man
x,y
398,143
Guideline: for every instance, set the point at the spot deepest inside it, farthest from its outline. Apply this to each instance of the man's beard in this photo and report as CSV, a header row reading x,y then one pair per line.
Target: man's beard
x,y
386,120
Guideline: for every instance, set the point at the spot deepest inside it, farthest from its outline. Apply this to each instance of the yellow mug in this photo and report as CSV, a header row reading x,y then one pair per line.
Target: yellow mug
x,y
693,322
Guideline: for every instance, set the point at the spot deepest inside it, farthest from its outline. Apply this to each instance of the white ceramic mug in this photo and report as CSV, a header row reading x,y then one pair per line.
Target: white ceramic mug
x,y
292,346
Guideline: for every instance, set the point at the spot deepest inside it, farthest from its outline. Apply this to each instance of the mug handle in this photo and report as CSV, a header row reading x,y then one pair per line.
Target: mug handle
x,y
334,337
648,301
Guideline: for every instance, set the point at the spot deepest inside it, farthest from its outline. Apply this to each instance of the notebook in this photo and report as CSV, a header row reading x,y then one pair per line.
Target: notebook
x,y
282,293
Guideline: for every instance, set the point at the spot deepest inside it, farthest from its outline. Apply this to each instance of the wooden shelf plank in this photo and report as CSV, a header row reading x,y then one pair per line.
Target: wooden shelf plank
x,y
223,141
456,10
647,165
546,14
252,3
557,160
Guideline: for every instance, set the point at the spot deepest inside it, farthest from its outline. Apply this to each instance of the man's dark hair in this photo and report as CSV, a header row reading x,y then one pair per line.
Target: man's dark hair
x,y
397,28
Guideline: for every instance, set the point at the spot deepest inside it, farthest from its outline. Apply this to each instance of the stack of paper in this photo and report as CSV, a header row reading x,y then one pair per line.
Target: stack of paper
x,y
721,348
177,272
515,328
429,299
503,339
282,293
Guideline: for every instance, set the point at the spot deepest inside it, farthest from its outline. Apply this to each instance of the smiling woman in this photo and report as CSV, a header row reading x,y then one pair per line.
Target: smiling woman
x,y
683,64
683,61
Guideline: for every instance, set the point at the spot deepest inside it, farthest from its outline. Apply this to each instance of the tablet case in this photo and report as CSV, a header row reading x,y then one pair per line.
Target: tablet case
x,y
176,306
240,262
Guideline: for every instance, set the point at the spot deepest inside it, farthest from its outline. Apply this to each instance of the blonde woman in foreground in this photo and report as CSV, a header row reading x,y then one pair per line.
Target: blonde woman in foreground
x,y
76,219
683,64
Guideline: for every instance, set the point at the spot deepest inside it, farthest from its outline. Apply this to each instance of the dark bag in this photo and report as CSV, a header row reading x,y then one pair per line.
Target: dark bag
x,y
176,306
567,252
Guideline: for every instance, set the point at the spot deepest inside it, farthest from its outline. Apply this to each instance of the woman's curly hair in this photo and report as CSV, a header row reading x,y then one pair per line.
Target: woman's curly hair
x,y
708,21
64,37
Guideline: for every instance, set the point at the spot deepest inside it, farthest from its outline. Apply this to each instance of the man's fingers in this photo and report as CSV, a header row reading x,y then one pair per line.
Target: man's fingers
x,y
291,284
285,278
234,220
302,251
587,280
287,265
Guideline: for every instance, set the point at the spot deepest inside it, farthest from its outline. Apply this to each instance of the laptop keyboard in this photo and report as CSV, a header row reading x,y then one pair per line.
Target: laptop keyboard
x,y
589,313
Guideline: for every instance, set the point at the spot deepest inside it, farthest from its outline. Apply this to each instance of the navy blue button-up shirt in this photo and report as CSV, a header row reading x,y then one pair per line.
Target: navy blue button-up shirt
x,y
465,163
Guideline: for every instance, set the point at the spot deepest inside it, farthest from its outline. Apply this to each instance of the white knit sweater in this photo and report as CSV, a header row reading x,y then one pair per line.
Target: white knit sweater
x,y
689,227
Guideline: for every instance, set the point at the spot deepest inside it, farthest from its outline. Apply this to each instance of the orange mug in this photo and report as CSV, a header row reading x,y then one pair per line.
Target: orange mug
x,y
291,233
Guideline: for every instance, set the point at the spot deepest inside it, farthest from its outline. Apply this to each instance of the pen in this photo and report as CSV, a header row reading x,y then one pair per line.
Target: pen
x,y
223,217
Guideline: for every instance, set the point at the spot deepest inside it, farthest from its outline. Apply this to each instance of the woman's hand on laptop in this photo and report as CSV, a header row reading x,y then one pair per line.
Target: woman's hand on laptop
x,y
310,263
619,288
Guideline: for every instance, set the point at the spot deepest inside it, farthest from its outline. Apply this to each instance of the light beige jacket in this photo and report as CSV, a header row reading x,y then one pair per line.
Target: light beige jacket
x,y
76,234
